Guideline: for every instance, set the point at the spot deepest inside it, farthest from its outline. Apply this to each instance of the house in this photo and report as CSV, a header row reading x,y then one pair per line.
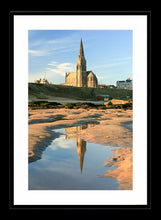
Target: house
x,y
124,84
42,81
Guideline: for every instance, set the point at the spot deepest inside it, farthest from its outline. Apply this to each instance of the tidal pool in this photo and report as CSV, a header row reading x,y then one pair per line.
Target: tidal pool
x,y
71,163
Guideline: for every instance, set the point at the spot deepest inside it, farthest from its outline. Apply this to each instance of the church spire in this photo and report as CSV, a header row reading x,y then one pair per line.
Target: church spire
x,y
81,52
81,149
81,75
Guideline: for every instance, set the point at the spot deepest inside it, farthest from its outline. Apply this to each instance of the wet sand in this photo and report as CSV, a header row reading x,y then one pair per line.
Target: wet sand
x,y
113,130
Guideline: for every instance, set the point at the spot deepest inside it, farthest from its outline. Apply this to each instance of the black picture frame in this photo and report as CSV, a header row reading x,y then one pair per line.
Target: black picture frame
x,y
13,207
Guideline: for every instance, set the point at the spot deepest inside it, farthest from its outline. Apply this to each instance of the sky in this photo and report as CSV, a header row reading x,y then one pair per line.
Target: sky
x,y
108,54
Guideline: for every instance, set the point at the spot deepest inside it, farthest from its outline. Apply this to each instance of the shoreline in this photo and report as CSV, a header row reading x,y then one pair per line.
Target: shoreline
x,y
111,130
112,125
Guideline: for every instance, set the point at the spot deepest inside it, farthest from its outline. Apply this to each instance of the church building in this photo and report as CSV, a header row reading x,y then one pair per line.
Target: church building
x,y
82,77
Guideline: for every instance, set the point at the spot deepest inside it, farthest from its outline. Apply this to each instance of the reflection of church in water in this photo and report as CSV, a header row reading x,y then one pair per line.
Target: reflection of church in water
x,y
71,133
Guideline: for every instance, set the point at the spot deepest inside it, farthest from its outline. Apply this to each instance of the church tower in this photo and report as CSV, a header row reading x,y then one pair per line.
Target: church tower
x,y
81,75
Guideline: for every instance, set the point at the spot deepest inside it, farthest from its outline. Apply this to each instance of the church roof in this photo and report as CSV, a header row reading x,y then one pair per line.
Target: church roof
x,y
71,74
90,73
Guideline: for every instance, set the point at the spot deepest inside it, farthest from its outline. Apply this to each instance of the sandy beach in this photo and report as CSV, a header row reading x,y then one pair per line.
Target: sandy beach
x,y
112,130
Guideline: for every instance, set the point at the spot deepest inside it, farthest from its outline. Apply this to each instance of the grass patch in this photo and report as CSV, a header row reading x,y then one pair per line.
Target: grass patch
x,y
80,93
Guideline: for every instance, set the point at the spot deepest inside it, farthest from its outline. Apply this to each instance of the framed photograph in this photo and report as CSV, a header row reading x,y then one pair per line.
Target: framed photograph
x,y
80,92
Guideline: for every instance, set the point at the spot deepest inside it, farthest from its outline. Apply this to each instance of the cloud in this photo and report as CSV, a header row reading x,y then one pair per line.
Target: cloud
x,y
55,72
47,47
65,66
53,63
62,143
38,53
60,68
118,62
122,58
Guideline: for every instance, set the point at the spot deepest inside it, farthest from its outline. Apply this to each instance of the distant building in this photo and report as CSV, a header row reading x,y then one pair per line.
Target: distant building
x,y
42,81
124,84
